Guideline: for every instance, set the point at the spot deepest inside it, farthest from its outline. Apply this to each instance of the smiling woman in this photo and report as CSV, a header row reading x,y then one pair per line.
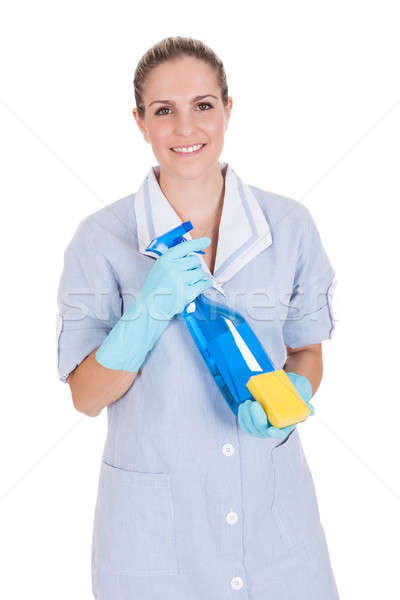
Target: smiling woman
x,y
192,502
182,124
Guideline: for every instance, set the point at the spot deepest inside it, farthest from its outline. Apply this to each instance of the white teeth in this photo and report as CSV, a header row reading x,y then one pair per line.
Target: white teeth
x,y
188,149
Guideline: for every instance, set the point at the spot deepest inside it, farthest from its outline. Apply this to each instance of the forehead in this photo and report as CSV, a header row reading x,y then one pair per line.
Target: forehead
x,y
182,77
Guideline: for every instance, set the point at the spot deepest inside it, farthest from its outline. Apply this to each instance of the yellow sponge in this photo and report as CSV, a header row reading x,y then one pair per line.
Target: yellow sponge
x,y
279,398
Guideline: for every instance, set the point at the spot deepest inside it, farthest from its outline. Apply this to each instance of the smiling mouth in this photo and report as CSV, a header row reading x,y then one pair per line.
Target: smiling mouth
x,y
188,150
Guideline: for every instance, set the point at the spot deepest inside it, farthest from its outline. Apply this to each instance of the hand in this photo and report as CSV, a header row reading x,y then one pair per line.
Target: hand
x,y
252,417
174,281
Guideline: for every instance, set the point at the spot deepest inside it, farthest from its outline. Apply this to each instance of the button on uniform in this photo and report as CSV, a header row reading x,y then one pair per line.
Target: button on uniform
x,y
228,449
237,583
231,518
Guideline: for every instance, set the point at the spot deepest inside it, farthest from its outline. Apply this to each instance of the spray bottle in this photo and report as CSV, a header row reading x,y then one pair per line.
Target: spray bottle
x,y
234,356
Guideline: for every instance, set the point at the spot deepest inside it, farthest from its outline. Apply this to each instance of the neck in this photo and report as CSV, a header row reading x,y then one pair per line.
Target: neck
x,y
198,200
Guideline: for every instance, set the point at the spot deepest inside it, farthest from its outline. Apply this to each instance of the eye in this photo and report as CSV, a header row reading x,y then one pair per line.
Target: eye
x,y
162,108
166,108
204,104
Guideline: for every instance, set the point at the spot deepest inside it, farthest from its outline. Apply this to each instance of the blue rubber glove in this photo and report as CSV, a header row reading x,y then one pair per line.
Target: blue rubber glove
x,y
174,281
252,417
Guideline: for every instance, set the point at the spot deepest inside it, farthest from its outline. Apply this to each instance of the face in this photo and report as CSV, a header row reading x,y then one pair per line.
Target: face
x,y
181,119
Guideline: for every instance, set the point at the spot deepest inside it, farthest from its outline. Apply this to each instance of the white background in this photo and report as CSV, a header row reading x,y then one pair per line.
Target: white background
x,y
316,117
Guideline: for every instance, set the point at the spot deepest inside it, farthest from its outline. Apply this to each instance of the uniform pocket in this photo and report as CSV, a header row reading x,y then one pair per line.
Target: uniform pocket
x,y
134,529
294,504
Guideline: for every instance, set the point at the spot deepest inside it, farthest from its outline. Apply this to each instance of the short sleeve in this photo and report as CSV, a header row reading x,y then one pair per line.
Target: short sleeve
x,y
88,298
310,318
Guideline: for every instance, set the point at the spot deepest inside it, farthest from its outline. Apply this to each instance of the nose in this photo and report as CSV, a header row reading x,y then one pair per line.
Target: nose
x,y
184,123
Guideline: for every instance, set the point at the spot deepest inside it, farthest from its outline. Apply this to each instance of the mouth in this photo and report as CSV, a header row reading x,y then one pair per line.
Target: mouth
x,y
188,150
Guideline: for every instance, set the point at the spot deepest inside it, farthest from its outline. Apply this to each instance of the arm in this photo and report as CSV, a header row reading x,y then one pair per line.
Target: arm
x,y
93,386
105,374
306,361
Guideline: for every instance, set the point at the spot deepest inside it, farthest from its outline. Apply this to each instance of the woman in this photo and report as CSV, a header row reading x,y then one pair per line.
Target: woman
x,y
194,502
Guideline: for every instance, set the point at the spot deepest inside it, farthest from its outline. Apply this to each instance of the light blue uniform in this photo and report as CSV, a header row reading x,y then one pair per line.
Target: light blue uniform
x,y
189,506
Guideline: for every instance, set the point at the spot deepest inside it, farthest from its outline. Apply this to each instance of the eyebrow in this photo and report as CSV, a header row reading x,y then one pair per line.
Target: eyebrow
x,y
195,99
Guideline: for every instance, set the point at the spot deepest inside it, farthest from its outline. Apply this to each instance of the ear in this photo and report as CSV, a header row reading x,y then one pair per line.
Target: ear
x,y
139,123
228,110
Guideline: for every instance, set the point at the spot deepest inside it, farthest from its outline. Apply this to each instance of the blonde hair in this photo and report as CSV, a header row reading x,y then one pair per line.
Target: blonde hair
x,y
171,48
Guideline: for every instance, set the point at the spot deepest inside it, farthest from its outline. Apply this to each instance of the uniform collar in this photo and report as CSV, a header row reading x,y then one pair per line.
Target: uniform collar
x,y
243,232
